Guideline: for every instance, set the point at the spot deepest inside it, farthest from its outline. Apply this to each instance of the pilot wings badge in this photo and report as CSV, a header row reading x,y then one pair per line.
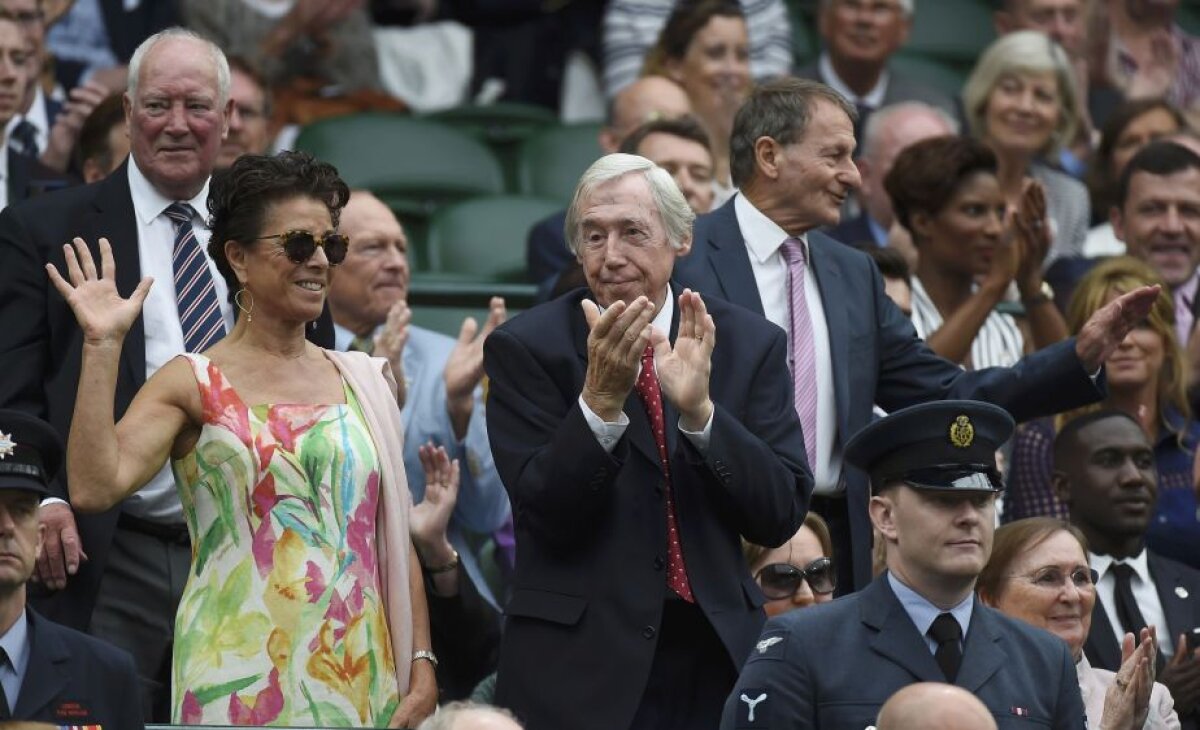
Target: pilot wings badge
x,y
767,643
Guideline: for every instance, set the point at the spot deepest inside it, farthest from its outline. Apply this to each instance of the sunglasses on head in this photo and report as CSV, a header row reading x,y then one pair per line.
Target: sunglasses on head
x,y
301,245
782,580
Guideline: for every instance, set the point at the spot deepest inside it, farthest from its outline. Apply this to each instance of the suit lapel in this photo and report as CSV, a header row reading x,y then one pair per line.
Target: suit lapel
x,y
896,637
18,177
116,220
983,654
1176,608
828,273
45,675
730,261
1101,648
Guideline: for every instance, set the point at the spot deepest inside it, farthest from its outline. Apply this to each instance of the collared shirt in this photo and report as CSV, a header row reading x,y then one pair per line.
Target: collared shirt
x,y
609,433
3,174
1185,296
15,643
158,501
1144,592
998,343
764,239
872,99
922,612
879,234
35,116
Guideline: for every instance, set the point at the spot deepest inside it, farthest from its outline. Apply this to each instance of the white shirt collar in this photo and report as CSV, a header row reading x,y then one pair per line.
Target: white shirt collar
x,y
873,98
35,116
149,203
763,235
1139,563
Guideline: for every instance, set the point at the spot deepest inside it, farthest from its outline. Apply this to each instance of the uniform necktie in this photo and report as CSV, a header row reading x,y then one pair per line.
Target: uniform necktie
x,y
651,395
5,710
801,357
948,634
23,139
195,291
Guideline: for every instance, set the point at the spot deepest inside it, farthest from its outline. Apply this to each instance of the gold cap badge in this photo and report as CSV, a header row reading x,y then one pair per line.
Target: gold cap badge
x,y
962,433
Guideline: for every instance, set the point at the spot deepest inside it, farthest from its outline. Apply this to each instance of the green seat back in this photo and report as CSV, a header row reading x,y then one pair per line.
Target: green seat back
x,y
484,238
502,126
955,31
945,77
551,161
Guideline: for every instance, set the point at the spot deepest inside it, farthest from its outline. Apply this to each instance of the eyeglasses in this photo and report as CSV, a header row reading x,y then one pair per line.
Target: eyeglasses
x,y
782,580
1054,578
301,245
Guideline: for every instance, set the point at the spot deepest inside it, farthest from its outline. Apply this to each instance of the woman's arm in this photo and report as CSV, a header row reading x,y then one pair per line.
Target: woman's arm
x,y
421,700
107,462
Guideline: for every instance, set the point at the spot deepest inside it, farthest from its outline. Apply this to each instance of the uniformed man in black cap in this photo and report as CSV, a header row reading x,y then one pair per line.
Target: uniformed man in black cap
x,y
934,484
47,672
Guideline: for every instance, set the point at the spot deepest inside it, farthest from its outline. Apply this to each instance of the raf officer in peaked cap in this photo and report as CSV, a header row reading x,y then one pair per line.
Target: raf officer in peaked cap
x,y
48,672
934,483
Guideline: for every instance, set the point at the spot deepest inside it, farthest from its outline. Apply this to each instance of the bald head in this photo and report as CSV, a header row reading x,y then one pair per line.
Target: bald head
x,y
934,706
888,132
375,274
648,98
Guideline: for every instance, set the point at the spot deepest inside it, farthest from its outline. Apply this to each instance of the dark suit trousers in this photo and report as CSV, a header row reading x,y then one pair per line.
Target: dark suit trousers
x,y
837,516
691,675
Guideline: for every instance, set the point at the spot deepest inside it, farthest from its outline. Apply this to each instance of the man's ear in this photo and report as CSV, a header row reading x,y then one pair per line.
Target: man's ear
x,y
766,157
1060,484
882,509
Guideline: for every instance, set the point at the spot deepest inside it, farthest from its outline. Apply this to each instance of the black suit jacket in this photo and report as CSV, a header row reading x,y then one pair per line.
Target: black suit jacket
x,y
589,584
73,679
855,232
1179,591
876,355
41,345
832,667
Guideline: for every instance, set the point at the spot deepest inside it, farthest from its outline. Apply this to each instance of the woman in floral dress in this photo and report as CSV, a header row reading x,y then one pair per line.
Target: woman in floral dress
x,y
303,606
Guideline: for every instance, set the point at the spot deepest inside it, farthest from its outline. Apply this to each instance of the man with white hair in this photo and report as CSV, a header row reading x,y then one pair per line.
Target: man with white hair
x,y
858,38
887,133
470,716
639,431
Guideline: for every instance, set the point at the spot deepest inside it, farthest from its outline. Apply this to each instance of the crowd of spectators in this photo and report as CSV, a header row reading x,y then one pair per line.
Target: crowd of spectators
x,y
285,502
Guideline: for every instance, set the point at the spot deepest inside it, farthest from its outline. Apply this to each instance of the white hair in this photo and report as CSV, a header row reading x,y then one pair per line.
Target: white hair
x,y
677,216
447,716
908,7
880,120
220,63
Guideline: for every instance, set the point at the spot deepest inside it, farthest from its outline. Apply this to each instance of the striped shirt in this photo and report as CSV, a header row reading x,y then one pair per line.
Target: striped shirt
x,y
999,342
1184,91
631,29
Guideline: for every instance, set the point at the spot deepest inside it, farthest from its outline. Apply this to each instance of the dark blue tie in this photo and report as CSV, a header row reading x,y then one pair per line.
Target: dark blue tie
x,y
195,291
23,139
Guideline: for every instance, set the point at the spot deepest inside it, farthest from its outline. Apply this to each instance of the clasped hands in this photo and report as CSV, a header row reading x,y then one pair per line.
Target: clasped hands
x,y
619,336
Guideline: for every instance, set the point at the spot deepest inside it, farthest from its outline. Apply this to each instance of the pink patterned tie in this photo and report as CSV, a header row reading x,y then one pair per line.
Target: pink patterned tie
x,y
801,357
647,388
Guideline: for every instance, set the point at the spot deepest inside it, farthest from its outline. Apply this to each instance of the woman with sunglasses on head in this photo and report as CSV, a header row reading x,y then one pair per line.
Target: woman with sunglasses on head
x,y
1038,573
304,604
799,572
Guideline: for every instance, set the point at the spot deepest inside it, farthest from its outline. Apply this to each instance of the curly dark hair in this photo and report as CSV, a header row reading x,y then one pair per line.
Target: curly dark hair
x,y
926,175
239,197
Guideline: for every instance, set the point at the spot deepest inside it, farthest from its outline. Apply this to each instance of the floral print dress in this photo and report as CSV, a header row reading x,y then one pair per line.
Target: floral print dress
x,y
282,621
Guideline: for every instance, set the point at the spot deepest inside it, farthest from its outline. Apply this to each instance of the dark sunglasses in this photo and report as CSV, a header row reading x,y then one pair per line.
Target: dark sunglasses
x,y
301,245
782,580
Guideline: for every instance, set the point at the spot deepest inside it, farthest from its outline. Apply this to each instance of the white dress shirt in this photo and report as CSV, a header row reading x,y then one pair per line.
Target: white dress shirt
x,y
764,238
609,433
3,173
1145,592
158,501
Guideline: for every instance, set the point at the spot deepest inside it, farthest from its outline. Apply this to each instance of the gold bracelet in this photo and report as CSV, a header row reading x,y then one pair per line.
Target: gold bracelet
x,y
442,568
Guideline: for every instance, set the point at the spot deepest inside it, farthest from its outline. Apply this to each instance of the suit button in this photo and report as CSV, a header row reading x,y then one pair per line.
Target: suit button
x,y
648,632
659,562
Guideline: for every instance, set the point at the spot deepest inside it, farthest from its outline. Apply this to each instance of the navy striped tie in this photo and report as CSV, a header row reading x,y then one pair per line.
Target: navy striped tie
x,y
195,291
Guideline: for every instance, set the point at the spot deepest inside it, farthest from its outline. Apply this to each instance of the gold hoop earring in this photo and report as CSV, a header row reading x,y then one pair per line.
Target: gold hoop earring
x,y
237,300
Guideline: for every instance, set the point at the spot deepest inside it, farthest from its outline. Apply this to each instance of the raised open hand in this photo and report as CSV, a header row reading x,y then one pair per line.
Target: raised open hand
x,y
464,367
389,344
1107,327
684,370
430,517
103,314
1032,229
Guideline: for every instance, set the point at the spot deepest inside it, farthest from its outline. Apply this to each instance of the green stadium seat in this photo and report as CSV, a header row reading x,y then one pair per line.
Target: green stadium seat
x,y
413,165
954,31
1188,17
945,77
551,162
804,35
484,239
502,126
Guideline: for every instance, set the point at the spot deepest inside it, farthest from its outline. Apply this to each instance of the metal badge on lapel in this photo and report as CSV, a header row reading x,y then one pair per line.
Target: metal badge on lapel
x,y
962,433
6,445
1181,592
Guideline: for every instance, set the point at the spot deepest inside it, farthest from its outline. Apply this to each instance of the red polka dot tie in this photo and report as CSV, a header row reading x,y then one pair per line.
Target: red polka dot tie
x,y
647,388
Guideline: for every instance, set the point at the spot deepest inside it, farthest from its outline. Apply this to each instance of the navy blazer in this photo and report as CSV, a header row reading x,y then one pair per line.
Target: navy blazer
x,y
854,232
832,666
877,356
74,679
590,581
41,345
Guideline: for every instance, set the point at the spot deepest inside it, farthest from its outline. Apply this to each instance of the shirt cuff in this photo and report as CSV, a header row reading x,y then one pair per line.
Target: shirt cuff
x,y
52,500
607,434
700,439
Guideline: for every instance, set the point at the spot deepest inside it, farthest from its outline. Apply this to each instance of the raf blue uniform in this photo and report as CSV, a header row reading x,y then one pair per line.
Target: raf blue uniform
x,y
833,666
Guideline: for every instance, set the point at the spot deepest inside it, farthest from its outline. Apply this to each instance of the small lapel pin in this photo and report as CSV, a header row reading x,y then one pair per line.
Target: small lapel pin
x,y
1181,591
1019,711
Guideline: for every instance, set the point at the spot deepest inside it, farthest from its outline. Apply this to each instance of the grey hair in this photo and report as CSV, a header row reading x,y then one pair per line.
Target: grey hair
x,y
1024,51
446,715
220,64
882,119
780,109
677,216
908,7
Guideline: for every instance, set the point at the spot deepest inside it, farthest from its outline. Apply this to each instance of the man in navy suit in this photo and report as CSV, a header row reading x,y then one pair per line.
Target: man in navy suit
x,y
639,431
832,666
48,673
1104,470
791,157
